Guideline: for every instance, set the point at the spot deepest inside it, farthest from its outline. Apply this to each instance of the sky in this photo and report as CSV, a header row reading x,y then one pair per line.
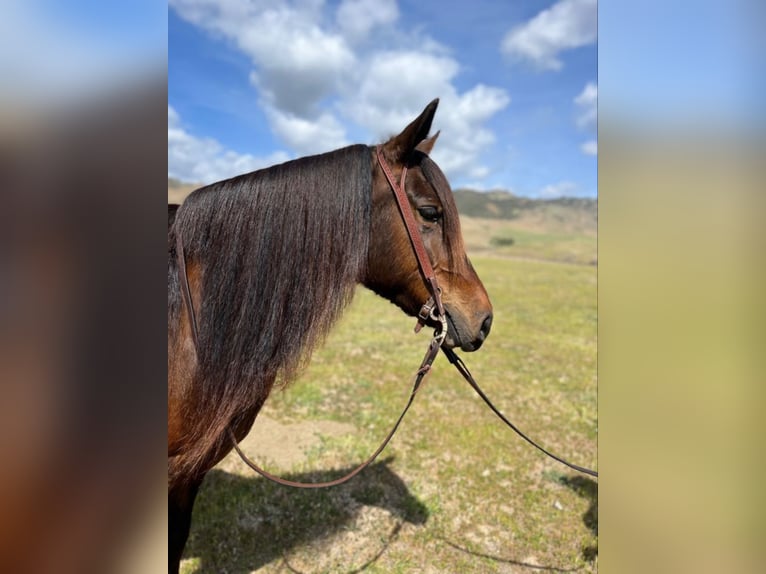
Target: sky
x,y
253,83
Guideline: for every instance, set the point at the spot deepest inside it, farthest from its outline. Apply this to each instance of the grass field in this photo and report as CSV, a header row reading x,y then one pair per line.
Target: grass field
x,y
456,491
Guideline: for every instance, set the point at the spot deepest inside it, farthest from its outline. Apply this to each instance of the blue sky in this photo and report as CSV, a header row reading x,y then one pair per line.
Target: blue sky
x,y
251,83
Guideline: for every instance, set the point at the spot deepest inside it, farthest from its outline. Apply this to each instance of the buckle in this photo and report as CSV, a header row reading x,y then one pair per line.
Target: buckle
x,y
426,311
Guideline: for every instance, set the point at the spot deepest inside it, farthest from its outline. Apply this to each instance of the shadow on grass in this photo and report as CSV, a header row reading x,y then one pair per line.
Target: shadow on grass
x,y
582,486
586,488
506,560
243,523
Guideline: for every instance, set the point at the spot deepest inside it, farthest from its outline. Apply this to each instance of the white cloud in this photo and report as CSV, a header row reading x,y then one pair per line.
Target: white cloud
x,y
561,189
587,102
298,63
308,136
357,18
397,86
313,87
566,25
587,105
589,147
463,122
204,160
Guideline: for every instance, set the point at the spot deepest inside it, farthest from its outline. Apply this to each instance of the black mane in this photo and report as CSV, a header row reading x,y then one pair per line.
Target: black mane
x,y
279,252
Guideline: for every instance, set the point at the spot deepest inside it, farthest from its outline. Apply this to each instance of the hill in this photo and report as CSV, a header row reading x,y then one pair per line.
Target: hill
x,y
572,214
499,223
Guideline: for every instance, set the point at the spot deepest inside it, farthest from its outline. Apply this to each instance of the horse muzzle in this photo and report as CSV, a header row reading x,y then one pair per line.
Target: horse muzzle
x,y
460,335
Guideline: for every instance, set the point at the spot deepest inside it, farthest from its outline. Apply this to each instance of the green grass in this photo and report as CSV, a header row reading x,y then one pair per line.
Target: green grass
x,y
458,492
566,247
532,238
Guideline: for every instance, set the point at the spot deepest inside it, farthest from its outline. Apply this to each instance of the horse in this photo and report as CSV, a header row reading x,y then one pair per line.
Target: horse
x,y
270,259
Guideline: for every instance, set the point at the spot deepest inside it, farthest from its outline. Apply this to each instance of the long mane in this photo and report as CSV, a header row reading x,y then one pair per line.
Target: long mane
x,y
279,252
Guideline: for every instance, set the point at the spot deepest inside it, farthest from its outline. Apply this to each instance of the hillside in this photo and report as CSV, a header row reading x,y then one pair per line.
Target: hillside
x,y
571,214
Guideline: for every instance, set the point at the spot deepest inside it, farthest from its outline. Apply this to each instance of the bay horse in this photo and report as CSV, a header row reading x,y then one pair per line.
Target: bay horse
x,y
272,258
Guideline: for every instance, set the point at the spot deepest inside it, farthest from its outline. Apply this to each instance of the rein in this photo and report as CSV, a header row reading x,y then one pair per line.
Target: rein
x,y
432,309
463,370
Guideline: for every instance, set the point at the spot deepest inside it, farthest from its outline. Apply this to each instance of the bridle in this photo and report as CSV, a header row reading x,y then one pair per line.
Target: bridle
x,y
433,309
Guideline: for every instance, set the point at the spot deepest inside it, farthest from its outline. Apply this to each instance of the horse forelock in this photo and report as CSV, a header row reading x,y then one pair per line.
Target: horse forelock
x,y
453,237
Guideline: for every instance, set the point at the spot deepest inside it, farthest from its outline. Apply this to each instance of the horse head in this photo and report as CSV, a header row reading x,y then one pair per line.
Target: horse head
x,y
392,268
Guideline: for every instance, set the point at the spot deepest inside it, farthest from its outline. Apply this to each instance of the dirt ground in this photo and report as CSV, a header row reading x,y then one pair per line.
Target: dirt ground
x,y
283,445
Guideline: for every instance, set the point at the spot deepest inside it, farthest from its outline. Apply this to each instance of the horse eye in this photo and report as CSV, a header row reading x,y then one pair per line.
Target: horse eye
x,y
430,214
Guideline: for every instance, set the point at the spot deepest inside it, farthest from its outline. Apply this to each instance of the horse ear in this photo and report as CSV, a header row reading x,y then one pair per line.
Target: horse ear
x,y
401,146
428,144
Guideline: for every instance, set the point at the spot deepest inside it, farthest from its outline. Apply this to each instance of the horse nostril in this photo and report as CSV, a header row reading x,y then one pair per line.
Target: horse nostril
x,y
486,326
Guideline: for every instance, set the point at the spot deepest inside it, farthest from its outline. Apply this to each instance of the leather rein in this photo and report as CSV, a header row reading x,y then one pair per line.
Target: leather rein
x,y
432,309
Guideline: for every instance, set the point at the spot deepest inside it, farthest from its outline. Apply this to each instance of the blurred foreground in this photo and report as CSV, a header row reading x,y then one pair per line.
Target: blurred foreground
x,y
681,362
82,225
